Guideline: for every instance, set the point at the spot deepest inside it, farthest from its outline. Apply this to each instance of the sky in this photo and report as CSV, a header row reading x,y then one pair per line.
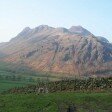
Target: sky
x,y
94,15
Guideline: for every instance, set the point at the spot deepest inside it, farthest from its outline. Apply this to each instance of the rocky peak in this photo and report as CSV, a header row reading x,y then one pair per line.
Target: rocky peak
x,y
43,28
103,39
23,34
80,30
24,31
62,30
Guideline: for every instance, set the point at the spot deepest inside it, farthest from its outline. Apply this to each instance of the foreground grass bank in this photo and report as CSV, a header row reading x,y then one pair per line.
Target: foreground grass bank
x,y
56,102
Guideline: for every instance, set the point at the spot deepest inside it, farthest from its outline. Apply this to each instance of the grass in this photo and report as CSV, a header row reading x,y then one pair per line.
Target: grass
x,y
53,102
5,84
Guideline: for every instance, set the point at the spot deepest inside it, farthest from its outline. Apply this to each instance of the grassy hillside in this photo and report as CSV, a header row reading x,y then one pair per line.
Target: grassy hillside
x,y
12,75
16,75
56,102
15,69
9,69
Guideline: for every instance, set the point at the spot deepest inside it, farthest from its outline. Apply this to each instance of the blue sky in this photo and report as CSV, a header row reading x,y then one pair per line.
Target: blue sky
x,y
94,15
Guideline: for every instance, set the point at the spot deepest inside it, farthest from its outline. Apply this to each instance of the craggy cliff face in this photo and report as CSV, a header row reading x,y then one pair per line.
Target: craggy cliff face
x,y
60,50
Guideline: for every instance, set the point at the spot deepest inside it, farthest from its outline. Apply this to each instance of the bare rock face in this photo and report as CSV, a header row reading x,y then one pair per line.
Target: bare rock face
x,y
60,50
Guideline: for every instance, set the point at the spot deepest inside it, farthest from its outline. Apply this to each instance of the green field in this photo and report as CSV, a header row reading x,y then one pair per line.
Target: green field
x,y
56,102
5,85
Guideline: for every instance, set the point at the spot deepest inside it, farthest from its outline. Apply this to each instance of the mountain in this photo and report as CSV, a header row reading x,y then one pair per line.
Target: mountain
x,y
73,51
102,39
80,30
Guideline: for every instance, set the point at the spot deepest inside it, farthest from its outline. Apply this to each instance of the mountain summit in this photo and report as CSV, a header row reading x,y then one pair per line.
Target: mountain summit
x,y
73,51
80,30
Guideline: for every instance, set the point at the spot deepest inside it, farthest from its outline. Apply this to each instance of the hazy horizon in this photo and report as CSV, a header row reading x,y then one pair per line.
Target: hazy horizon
x,y
15,15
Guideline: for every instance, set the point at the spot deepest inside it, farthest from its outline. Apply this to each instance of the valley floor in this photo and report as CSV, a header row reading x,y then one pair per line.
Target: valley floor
x,y
56,102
